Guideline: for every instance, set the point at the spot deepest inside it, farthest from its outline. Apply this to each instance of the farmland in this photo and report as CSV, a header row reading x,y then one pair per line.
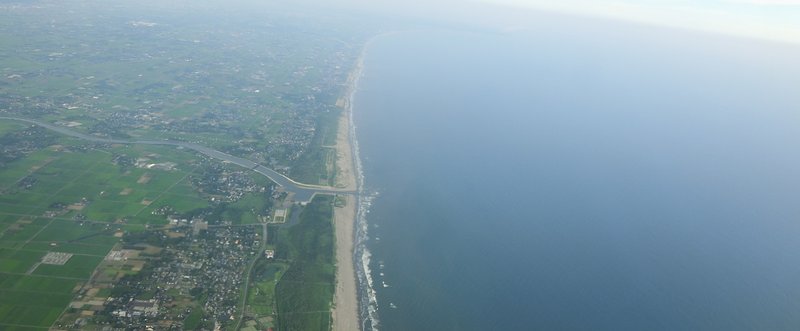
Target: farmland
x,y
96,235
78,201
85,199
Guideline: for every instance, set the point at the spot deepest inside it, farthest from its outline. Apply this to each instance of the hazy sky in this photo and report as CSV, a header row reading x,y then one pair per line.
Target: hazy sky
x,y
770,19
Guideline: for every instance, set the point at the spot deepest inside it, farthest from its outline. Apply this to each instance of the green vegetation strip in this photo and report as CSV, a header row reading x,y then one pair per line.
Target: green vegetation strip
x,y
305,292
313,165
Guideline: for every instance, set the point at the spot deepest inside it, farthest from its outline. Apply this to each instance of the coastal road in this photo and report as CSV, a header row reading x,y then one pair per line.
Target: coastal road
x,y
302,192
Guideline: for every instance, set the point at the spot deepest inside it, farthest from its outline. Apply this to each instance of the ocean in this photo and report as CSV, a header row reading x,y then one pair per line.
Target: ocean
x,y
594,177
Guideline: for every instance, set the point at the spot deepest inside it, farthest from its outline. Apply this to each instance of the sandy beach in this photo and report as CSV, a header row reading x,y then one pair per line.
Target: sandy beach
x,y
345,302
345,169
345,311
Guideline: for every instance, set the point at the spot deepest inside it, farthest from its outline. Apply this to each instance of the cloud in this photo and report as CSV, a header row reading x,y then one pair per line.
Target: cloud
x,y
768,2
733,17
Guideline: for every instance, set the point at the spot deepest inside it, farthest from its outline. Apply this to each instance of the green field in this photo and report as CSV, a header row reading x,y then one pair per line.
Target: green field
x,y
32,301
37,296
261,297
318,164
79,199
109,191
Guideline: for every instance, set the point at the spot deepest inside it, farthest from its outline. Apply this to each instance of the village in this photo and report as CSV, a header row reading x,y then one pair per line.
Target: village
x,y
188,275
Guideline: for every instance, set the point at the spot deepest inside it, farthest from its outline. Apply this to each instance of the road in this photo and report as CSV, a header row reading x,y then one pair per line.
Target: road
x,y
246,290
302,192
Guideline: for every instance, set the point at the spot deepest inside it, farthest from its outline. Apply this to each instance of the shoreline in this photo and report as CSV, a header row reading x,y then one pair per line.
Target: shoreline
x,y
345,308
355,303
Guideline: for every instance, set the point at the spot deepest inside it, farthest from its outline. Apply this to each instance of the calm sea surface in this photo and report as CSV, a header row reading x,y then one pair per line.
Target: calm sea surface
x,y
596,177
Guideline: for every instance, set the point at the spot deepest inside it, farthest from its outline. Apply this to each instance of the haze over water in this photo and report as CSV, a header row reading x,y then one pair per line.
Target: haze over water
x,y
600,177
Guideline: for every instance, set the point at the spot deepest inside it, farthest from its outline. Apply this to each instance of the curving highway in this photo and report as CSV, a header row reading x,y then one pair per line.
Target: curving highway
x,y
302,192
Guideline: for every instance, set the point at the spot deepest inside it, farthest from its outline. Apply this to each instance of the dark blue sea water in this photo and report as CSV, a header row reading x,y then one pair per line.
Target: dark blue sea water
x,y
588,178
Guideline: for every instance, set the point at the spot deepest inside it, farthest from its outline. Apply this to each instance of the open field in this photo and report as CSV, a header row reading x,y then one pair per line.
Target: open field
x,y
94,184
9,126
28,309
23,276
72,203
261,298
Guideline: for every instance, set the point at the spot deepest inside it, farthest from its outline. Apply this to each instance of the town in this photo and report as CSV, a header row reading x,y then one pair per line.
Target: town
x,y
99,235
